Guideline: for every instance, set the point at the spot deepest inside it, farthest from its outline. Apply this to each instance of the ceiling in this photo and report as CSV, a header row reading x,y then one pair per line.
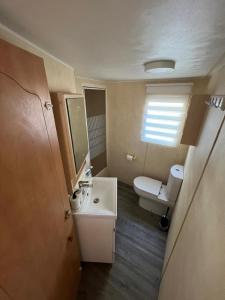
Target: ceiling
x,y
111,39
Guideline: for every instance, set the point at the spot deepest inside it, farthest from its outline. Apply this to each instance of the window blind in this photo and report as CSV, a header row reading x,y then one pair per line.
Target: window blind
x,y
164,118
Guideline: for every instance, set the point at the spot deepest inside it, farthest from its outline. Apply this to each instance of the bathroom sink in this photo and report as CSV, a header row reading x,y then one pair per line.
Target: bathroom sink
x,y
101,199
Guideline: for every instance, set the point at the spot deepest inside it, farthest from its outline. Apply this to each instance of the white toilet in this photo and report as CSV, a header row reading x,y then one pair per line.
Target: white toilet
x,y
155,196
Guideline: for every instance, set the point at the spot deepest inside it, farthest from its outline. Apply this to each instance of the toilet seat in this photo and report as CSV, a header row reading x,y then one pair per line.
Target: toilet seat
x,y
147,187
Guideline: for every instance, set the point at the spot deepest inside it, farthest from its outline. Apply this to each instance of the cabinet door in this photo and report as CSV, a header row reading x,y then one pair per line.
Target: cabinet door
x,y
38,249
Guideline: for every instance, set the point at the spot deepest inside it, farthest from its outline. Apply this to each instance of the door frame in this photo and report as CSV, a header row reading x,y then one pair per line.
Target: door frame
x,y
93,86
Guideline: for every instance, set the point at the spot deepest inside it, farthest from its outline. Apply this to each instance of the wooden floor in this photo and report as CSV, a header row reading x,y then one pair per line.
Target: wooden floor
x,y
140,246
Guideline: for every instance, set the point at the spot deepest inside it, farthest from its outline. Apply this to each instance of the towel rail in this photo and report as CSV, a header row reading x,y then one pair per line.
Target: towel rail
x,y
217,102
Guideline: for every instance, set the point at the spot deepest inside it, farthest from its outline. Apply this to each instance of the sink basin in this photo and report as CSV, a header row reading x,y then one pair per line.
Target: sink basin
x,y
101,199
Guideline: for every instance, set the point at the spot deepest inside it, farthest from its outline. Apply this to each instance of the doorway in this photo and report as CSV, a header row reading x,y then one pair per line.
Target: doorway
x,y
96,121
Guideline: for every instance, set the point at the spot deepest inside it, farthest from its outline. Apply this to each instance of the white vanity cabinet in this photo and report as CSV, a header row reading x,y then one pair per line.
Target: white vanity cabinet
x,y
96,221
96,235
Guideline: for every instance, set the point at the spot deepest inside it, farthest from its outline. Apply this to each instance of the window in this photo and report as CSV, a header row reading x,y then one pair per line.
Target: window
x,y
164,118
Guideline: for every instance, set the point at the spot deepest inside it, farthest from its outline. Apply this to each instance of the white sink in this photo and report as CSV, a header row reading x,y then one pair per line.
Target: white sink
x,y
101,199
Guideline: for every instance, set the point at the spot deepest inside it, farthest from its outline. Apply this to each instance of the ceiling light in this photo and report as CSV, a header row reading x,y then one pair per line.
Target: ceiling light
x,y
159,66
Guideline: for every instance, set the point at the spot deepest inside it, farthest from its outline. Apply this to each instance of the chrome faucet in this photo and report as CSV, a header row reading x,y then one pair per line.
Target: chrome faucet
x,y
88,171
84,183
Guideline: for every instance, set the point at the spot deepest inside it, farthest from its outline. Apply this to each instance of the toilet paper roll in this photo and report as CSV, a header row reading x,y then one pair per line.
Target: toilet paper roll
x,y
130,157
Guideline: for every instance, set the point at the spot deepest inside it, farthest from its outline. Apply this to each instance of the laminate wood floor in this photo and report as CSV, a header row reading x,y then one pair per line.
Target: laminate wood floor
x,y
140,247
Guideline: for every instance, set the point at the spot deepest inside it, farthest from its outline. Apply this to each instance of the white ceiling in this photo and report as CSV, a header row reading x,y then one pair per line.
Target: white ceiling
x,y
111,39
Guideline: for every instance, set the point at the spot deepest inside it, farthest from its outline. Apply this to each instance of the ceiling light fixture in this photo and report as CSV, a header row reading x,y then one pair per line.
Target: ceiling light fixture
x,y
159,66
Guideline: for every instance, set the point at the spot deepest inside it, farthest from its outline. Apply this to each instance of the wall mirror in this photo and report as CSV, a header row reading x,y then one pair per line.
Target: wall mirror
x,y
71,124
78,129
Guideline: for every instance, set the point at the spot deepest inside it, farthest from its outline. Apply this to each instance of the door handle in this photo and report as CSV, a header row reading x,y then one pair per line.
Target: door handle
x,y
48,105
70,238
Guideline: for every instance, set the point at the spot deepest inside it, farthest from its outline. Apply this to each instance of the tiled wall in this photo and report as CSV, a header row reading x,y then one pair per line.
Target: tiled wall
x,y
97,135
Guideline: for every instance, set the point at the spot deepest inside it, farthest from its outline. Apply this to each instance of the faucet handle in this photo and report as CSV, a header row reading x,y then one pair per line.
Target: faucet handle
x,y
88,170
85,183
81,183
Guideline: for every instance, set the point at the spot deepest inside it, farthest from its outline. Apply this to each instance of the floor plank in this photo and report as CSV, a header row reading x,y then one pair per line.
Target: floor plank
x,y
140,247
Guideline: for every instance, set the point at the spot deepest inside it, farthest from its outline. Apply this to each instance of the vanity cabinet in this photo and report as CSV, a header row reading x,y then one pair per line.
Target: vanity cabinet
x,y
96,235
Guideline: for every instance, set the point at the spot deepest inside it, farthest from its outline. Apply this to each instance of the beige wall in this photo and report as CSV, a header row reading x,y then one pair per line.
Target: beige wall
x,y
125,112
195,263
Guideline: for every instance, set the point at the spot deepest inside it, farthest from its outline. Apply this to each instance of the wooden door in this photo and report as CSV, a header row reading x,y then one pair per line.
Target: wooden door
x,y
39,255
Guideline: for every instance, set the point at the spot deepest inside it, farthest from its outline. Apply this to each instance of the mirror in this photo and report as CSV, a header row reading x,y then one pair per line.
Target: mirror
x,y
78,129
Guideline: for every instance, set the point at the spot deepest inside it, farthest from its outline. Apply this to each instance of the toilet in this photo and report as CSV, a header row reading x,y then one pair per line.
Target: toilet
x,y
155,196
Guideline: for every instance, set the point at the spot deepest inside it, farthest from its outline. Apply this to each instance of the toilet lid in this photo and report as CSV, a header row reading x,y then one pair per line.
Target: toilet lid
x,y
148,185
